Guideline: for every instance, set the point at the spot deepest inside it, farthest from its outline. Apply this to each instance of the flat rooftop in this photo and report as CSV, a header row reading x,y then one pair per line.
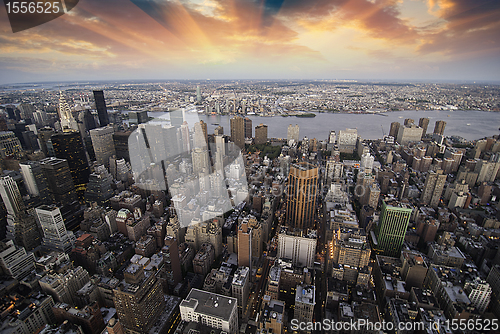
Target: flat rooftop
x,y
306,294
303,166
208,303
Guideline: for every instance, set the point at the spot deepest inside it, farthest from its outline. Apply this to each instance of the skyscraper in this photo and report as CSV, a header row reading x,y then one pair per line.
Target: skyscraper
x,y
260,134
200,136
198,94
120,140
68,122
177,117
392,227
14,261
245,245
409,133
301,195
138,300
200,160
102,141
99,187
238,131
219,131
204,128
69,146
394,130
248,127
297,246
89,120
100,105
409,122
21,225
35,181
241,287
60,182
423,123
433,188
55,235
439,127
172,261
44,135
138,117
10,146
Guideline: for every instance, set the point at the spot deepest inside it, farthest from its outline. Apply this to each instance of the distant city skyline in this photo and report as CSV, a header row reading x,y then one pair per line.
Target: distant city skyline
x,y
441,40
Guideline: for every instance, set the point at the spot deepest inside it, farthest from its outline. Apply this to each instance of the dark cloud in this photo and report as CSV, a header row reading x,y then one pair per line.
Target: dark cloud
x,y
471,28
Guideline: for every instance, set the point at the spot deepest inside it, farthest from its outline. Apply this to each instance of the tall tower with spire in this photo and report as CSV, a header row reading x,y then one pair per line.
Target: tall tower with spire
x,y
68,123
22,227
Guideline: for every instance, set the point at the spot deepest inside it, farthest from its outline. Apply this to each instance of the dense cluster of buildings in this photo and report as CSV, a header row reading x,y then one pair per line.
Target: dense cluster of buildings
x,y
161,227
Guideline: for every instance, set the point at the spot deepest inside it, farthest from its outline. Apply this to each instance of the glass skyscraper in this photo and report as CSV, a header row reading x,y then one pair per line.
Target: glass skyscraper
x,y
100,105
69,146
392,227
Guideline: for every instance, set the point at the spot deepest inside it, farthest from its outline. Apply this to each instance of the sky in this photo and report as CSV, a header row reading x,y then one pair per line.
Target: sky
x,y
430,40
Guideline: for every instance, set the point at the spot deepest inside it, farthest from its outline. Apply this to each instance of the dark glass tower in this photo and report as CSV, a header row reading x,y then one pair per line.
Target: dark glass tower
x,y
60,182
62,189
100,105
69,146
89,120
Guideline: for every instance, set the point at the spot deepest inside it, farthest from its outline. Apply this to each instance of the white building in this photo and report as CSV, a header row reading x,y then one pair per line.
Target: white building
x,y
347,140
102,141
55,235
14,261
407,134
211,309
479,293
367,161
332,138
300,249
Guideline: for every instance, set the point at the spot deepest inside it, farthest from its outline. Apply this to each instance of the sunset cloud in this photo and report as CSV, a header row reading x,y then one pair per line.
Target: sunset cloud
x,y
247,38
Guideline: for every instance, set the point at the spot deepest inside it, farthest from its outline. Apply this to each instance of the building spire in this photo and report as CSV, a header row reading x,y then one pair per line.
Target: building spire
x,y
68,123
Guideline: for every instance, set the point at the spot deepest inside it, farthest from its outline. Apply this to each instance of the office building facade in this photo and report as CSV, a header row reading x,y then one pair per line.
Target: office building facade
x,y
248,127
211,309
55,235
102,141
100,105
21,224
138,300
59,180
439,127
260,134
238,131
69,146
301,195
433,188
392,227
35,181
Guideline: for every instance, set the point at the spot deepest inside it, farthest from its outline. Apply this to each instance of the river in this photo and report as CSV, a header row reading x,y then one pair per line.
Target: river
x,y
370,126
